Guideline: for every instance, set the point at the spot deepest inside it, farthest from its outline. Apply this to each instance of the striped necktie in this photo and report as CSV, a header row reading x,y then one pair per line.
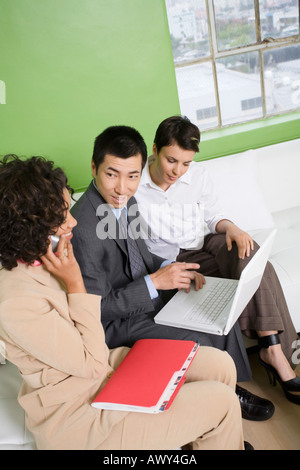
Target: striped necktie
x,y
137,265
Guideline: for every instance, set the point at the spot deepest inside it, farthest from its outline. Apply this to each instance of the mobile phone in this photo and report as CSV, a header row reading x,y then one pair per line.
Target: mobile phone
x,y
54,242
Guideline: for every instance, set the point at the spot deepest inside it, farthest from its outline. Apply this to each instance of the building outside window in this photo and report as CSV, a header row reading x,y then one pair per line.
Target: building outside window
x,y
235,60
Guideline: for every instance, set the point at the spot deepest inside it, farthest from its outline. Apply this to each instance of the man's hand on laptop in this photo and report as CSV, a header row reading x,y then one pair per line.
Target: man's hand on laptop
x,y
178,276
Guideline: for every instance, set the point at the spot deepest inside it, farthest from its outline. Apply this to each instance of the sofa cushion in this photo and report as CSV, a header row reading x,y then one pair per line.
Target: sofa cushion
x,y
278,174
286,265
236,182
13,431
288,219
285,257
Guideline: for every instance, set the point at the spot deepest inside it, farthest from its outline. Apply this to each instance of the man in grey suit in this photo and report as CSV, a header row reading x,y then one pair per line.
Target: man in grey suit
x,y
116,263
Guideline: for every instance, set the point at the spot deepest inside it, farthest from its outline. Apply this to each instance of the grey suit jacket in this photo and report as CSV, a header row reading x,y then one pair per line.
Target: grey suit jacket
x,y
104,261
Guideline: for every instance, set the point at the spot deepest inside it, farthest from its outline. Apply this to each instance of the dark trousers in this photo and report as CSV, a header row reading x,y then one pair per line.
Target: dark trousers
x,y
139,326
267,310
126,331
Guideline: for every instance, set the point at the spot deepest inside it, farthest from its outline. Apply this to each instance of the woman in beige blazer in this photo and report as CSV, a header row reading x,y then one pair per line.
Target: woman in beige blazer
x,y
52,332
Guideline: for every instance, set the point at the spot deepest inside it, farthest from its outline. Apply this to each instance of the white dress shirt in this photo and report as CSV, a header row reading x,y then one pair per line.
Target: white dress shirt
x,y
180,216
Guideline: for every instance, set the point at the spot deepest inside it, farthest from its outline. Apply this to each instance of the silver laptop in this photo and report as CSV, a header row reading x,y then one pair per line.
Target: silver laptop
x,y
217,306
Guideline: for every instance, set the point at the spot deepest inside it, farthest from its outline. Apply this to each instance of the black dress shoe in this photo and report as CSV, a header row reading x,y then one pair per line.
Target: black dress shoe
x,y
290,387
248,446
253,407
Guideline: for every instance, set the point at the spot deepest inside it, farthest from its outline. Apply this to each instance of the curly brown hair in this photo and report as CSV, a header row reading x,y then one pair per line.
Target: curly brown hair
x,y
32,206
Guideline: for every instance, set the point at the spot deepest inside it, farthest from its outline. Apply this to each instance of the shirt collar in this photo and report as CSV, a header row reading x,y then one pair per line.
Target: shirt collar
x,y
34,264
118,211
146,178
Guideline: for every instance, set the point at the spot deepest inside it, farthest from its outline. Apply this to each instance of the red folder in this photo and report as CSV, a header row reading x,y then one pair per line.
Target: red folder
x,y
149,377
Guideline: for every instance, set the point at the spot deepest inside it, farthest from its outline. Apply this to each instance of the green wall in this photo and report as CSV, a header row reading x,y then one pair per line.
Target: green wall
x,y
251,135
73,67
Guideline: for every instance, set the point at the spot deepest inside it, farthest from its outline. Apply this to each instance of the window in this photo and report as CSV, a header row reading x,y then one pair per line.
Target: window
x,y
235,60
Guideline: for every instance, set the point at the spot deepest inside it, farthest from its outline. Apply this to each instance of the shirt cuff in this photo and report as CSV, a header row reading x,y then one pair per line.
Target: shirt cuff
x,y
151,288
166,262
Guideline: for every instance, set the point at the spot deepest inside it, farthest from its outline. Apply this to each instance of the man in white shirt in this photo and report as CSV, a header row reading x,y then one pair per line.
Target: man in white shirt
x,y
177,200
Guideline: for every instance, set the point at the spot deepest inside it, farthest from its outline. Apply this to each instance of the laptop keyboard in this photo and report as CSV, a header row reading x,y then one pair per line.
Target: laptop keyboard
x,y
206,311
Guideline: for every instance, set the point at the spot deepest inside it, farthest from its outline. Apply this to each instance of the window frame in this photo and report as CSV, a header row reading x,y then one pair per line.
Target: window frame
x,y
254,134
260,46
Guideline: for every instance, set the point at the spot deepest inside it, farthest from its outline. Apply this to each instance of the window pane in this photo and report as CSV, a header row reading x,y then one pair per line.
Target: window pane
x,y
235,23
188,29
239,87
197,95
282,78
279,19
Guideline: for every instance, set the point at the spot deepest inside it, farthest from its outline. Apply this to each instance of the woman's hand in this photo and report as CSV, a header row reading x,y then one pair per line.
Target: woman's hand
x,y
64,266
234,234
243,240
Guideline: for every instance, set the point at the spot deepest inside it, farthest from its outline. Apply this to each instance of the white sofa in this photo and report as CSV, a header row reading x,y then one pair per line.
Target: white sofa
x,y
259,190
13,431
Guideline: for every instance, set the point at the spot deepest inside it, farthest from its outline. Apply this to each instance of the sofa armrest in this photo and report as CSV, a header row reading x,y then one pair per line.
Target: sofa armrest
x,y
13,431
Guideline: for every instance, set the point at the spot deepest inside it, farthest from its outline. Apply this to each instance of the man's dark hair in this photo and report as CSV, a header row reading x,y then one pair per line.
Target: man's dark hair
x,y
120,141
